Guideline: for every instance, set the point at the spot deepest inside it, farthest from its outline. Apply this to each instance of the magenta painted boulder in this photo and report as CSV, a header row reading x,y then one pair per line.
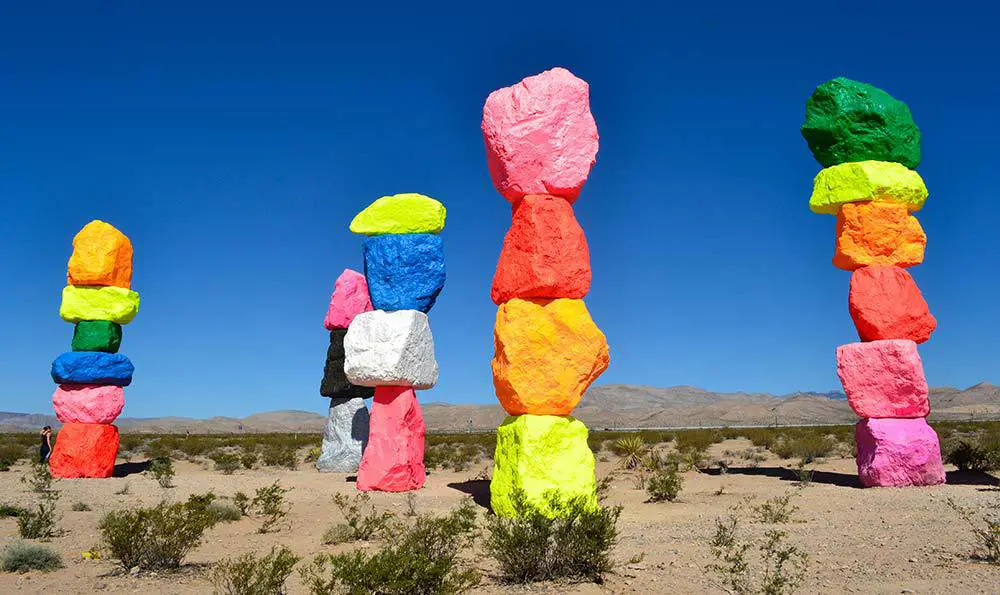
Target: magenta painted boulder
x,y
88,403
898,453
393,460
540,136
350,298
883,378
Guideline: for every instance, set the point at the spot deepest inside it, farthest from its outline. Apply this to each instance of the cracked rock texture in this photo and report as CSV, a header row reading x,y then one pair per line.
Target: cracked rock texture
x,y
344,436
390,348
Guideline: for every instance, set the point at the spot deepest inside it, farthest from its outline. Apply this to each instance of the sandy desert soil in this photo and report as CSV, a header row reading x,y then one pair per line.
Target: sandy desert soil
x,y
858,541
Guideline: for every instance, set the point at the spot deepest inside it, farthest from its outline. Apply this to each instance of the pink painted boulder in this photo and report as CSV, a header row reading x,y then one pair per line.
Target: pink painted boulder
x,y
540,136
88,403
393,460
898,453
883,378
350,298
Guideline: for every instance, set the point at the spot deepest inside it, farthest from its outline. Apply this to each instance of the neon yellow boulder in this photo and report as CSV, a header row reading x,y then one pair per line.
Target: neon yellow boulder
x,y
89,302
541,456
880,181
401,213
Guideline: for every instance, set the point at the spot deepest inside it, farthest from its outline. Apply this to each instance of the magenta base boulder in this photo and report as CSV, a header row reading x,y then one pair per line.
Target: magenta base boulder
x,y
393,461
898,453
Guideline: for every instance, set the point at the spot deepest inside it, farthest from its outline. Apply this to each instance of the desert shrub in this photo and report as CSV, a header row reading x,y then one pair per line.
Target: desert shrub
x,y
697,440
269,503
39,523
80,507
226,462
243,502
631,449
22,557
10,454
804,473
130,443
978,452
664,483
158,537
458,457
248,458
361,521
776,510
781,570
314,454
985,528
162,470
574,544
224,512
422,559
279,455
9,510
40,479
808,446
252,575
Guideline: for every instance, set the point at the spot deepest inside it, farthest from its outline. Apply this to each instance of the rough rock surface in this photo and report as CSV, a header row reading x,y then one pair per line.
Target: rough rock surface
x,y
545,253
335,383
350,298
851,121
878,233
897,453
344,436
883,379
547,353
540,136
394,457
98,303
404,272
390,348
102,255
538,455
92,367
400,213
97,335
886,303
88,403
84,450
862,181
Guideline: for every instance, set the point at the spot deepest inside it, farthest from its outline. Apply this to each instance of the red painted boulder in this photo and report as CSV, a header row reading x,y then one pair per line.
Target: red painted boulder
x,y
540,136
393,460
883,379
84,450
886,303
898,453
88,403
544,254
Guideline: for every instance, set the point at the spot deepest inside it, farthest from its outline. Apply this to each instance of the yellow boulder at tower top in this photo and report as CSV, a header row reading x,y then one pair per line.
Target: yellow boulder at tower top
x,y
542,457
400,213
882,181
116,304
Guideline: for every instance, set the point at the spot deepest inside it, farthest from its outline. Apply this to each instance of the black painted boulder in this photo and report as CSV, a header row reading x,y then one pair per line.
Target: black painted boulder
x,y
335,383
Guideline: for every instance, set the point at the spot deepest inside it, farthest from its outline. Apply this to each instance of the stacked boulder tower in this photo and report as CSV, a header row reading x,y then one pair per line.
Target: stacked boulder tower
x,y
541,142
390,348
98,299
869,146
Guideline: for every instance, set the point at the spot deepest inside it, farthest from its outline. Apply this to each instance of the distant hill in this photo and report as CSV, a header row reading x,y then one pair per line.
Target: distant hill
x,y
609,406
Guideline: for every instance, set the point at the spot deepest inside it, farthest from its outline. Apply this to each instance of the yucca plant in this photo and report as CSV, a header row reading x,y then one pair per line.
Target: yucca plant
x,y
631,449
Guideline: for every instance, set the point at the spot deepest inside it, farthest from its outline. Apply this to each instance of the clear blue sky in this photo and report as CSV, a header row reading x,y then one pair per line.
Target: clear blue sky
x,y
234,143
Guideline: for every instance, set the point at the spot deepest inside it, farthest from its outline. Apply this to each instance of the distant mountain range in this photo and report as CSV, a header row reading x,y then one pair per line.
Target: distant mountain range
x,y
609,406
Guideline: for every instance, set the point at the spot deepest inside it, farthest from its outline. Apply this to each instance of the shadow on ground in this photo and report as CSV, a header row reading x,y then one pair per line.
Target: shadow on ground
x,y
971,478
850,480
126,469
479,489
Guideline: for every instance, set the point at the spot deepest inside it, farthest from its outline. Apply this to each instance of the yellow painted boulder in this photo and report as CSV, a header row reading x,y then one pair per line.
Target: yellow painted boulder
x,y
548,352
116,304
878,233
541,457
102,255
401,213
860,181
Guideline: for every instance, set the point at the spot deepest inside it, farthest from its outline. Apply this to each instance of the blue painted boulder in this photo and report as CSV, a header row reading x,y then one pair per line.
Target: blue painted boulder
x,y
92,367
404,271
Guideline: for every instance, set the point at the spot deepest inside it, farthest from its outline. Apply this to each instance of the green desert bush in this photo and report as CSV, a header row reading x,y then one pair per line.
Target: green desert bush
x,y
40,479
631,449
361,521
279,455
226,462
162,470
158,537
253,575
664,484
269,504
224,512
985,528
973,451
9,510
457,457
248,458
22,557
80,507
39,522
776,510
780,570
242,502
808,446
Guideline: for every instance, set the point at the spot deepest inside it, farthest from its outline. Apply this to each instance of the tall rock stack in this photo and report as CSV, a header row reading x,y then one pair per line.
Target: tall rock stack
x,y
91,377
541,142
391,348
868,144
346,431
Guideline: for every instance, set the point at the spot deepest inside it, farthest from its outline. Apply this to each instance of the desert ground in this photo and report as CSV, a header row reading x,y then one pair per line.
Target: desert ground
x,y
857,540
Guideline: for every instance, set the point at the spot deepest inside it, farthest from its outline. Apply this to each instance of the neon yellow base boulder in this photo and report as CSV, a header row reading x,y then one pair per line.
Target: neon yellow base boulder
x,y
541,456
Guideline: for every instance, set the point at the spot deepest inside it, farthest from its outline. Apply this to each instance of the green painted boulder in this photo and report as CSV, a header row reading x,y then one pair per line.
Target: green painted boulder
x,y
541,457
401,213
97,335
851,121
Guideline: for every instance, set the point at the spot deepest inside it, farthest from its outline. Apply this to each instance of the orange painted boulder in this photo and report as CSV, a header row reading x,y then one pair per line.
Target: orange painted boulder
x,y
547,353
544,254
84,450
885,303
102,255
878,233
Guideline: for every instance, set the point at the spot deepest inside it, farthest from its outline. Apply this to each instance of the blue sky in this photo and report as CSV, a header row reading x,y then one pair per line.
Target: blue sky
x,y
233,144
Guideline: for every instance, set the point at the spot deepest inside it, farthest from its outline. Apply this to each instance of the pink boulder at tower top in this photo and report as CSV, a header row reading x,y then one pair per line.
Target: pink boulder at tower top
x,y
898,453
88,403
350,298
393,460
883,378
540,136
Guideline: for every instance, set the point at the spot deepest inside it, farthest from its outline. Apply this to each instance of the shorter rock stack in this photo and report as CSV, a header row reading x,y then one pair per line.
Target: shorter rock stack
x,y
391,348
91,377
541,142
346,431
868,143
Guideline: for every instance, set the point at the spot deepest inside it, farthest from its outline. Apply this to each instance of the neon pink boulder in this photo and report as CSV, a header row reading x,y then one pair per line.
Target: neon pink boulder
x,y
898,453
393,461
350,298
883,378
88,403
540,136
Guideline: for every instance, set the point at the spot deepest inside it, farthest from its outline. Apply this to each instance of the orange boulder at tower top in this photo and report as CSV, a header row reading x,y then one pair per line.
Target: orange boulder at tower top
x,y
102,255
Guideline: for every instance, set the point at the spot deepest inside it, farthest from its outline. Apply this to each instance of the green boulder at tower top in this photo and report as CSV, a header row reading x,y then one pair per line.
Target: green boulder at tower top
x,y
400,213
851,121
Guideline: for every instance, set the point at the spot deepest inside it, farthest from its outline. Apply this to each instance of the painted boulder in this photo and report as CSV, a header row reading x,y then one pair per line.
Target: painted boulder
x,y
404,272
350,298
883,379
84,450
97,335
344,436
115,304
394,457
878,233
335,383
885,303
102,255
392,349
898,453
401,213
864,181
92,367
88,403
